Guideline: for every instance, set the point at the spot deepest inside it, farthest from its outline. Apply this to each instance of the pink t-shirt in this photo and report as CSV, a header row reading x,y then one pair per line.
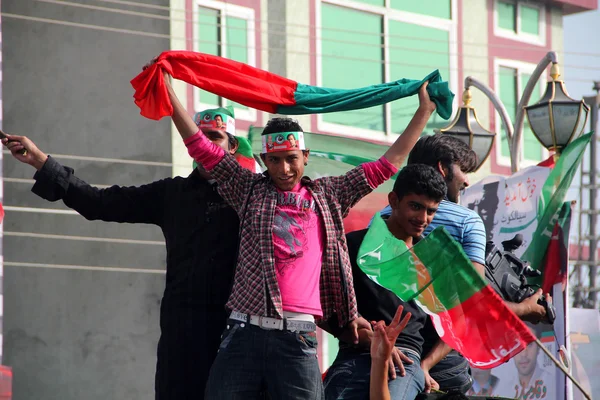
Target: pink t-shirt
x,y
298,237
298,231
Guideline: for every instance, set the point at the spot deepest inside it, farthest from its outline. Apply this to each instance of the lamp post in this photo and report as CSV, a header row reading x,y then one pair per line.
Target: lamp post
x,y
555,106
557,119
466,127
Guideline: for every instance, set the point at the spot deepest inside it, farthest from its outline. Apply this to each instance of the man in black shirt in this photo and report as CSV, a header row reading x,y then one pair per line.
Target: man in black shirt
x,y
417,193
201,234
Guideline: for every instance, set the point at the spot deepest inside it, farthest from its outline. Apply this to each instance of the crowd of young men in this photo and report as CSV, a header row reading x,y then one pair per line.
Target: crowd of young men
x,y
291,268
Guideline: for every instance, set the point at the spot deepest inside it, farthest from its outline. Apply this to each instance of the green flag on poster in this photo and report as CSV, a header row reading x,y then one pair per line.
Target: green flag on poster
x,y
552,197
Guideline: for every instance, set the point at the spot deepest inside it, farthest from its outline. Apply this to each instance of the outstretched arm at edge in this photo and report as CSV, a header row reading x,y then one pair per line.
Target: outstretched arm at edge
x,y
141,204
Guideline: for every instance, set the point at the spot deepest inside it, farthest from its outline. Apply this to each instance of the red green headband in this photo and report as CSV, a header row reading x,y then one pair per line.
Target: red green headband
x,y
283,141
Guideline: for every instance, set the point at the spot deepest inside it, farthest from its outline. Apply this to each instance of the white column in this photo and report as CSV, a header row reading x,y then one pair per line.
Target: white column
x,y
1,224
182,163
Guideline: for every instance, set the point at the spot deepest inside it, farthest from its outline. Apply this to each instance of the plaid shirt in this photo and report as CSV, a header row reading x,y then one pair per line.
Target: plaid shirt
x,y
254,197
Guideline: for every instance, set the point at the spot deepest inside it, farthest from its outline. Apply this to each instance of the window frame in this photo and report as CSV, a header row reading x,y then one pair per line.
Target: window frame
x,y
387,13
226,10
523,68
518,35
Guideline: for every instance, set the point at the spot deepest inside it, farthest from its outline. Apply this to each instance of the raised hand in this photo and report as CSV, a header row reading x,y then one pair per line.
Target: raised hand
x,y
425,102
24,150
384,337
150,63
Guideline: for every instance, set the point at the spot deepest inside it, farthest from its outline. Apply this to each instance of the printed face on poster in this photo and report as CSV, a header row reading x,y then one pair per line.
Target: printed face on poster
x,y
510,206
529,375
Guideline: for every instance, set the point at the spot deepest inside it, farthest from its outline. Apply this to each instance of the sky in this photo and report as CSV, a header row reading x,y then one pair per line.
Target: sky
x,y
581,64
580,67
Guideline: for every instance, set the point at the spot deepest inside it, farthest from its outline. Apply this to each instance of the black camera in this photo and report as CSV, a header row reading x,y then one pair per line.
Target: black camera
x,y
508,274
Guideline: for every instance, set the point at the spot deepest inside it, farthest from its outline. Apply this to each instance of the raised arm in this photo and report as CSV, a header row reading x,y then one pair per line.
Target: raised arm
x,y
182,120
360,181
398,152
199,147
143,204
234,181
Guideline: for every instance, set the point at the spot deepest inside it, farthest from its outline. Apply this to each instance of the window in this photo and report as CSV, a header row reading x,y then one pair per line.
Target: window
x,y
434,8
507,16
352,59
511,79
508,94
365,43
520,21
225,30
373,2
425,55
530,20
532,148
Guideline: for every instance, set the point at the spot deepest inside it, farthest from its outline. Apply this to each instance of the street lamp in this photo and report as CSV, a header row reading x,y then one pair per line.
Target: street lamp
x,y
557,118
514,132
466,127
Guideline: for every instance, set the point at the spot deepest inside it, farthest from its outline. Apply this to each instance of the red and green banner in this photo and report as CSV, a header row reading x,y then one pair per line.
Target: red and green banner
x,y
265,91
552,197
556,260
436,273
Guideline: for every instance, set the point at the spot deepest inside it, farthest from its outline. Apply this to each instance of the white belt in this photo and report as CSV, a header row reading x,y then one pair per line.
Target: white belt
x,y
274,323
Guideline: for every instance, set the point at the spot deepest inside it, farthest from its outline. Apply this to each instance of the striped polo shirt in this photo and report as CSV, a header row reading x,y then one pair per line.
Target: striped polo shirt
x,y
463,224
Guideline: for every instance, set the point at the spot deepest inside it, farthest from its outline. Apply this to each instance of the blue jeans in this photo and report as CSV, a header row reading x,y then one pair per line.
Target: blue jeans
x,y
452,373
350,374
252,360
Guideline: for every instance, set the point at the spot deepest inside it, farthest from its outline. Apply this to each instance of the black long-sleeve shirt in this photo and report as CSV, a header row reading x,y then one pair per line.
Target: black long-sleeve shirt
x,y
201,234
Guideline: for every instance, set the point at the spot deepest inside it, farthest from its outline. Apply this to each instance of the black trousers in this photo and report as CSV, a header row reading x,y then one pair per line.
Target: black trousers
x,y
188,345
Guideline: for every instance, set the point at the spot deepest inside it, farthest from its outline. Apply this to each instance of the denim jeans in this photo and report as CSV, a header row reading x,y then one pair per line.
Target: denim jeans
x,y
452,373
252,360
350,374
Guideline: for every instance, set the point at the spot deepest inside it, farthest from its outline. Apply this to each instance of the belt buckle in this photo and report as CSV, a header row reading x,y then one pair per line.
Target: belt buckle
x,y
262,322
269,323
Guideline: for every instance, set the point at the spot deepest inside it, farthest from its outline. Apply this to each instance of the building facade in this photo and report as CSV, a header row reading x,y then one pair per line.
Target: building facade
x,y
355,43
81,299
345,43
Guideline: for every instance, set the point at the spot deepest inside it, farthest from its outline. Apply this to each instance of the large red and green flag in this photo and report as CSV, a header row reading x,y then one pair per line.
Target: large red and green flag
x,y
265,91
436,273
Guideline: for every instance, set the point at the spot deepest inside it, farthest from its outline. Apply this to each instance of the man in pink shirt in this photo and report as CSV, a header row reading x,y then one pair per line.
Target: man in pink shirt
x,y
293,266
